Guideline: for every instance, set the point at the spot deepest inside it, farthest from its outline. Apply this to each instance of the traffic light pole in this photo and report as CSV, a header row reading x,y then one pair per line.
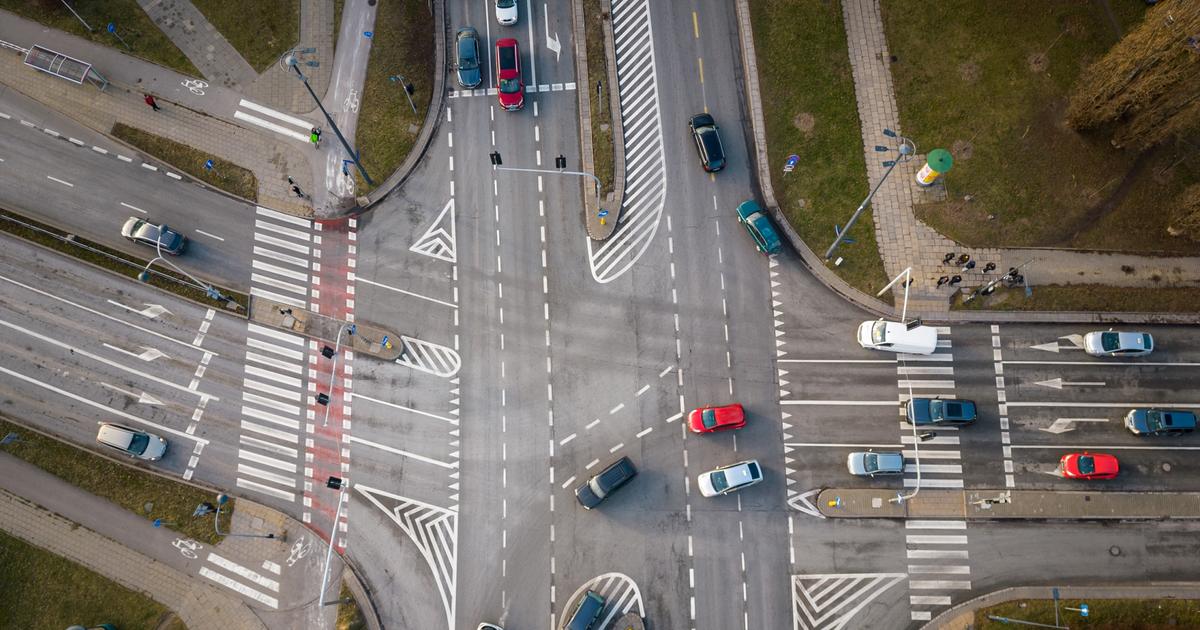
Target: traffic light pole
x,y
338,132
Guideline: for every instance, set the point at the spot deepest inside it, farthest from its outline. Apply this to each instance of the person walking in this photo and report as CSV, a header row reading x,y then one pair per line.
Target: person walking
x,y
299,193
943,280
152,103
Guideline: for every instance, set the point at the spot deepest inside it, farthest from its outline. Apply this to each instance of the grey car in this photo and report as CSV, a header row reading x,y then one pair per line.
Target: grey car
x,y
869,464
466,47
147,233
131,442
1110,343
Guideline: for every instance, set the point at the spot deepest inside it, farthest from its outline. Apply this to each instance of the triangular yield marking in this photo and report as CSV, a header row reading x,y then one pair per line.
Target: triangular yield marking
x,y
803,503
853,592
439,240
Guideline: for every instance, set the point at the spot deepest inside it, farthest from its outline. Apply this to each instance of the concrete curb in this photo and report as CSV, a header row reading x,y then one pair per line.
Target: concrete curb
x,y
961,617
866,302
986,505
591,220
432,122
362,594
367,341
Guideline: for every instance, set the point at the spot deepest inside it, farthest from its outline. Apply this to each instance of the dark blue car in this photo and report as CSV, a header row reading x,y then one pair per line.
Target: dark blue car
x,y
935,411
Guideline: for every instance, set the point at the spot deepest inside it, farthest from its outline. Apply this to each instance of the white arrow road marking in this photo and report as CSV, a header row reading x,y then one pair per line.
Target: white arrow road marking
x,y
1058,383
148,353
1062,425
143,397
1051,346
151,310
552,44
1076,342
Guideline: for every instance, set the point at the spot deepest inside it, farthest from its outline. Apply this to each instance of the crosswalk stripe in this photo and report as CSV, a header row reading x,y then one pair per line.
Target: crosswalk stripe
x,y
276,297
928,600
929,453
257,458
238,569
253,471
277,270
265,489
287,218
233,584
936,554
275,363
919,524
279,229
949,569
927,482
922,384
277,349
278,242
271,447
295,340
270,403
947,585
920,539
281,257
944,469
271,389
268,431
258,278
274,376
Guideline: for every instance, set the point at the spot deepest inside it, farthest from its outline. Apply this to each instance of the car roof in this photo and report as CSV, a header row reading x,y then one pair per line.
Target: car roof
x,y
115,435
747,208
703,119
739,473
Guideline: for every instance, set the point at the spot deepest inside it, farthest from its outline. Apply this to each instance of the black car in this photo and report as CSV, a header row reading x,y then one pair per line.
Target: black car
x,y
586,612
605,483
466,47
935,411
708,142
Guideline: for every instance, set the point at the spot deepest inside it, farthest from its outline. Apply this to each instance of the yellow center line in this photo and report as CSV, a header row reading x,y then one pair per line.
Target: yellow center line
x,y
695,25
700,60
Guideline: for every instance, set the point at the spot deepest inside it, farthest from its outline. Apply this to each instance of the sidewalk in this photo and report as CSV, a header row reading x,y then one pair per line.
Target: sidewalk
x,y
1009,504
962,616
199,116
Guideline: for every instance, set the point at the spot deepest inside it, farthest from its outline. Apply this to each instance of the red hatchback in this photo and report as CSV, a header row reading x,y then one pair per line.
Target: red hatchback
x,y
1088,466
509,87
711,419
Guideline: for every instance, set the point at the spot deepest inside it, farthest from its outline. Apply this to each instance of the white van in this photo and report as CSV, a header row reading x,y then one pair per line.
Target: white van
x,y
896,337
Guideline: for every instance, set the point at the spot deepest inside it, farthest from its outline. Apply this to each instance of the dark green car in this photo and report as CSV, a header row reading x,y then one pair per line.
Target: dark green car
x,y
759,225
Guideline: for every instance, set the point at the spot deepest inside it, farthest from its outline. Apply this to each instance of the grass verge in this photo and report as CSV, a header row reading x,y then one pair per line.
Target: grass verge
x,y
595,15
349,617
143,37
111,259
1103,614
127,486
1089,297
387,125
338,5
810,110
224,175
39,589
998,104
260,31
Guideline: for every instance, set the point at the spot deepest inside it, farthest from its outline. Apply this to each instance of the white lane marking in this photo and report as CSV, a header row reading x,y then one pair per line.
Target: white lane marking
x,y
564,441
645,431
357,396
390,449
64,183
105,408
265,489
133,207
1109,447
845,445
919,524
199,231
286,218
249,574
1106,363
275,334
257,458
1108,405
416,295
568,482
842,403
893,361
937,554
240,588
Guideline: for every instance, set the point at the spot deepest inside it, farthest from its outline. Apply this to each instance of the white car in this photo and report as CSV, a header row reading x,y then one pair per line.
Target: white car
x,y
131,442
1108,343
506,12
897,337
867,464
731,478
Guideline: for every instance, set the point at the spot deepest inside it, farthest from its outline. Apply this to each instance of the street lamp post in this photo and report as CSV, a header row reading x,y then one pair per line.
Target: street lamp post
x,y
222,499
906,148
917,438
294,63
208,289
332,483
337,345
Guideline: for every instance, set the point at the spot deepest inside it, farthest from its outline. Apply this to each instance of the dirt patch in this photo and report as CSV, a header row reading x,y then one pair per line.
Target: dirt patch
x,y
968,72
1038,62
1107,204
805,122
962,150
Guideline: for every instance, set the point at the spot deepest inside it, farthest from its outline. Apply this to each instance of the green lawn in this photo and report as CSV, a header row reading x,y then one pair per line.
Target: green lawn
x,y
126,486
998,104
1103,614
40,590
387,126
1089,297
224,175
260,31
132,24
810,110
602,132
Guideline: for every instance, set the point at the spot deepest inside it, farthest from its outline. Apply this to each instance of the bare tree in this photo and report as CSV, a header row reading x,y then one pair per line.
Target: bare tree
x,y
1185,214
1147,86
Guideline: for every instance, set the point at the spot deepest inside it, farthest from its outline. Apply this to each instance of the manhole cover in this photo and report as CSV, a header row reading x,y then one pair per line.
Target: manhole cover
x,y
1114,551
1166,467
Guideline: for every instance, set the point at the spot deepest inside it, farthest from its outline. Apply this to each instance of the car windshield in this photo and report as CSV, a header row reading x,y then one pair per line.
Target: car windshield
x,y
709,418
510,86
1087,465
1110,341
878,332
138,444
871,462
506,4
719,481
1154,420
753,468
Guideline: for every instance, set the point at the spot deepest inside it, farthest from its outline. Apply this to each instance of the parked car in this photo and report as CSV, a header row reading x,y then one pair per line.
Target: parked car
x,y
897,337
1118,344
510,90
731,478
466,61
586,613
708,142
936,411
488,626
131,442
147,233
1088,466
506,12
760,227
1160,421
869,464
711,419
605,482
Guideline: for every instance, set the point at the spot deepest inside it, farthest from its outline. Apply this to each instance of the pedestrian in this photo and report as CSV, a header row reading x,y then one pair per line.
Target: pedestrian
x,y
943,280
955,280
947,258
909,283
152,103
299,193
962,260
315,137
967,267
989,267
291,181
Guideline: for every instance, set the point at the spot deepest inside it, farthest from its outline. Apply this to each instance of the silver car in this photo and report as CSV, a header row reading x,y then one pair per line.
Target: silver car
x,y
131,442
868,464
1109,343
147,233
731,478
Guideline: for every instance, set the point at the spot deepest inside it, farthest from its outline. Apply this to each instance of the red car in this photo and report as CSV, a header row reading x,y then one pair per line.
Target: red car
x,y
710,419
1088,466
509,87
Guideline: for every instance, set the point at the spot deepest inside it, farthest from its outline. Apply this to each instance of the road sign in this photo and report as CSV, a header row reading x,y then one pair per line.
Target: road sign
x,y
792,160
208,165
602,213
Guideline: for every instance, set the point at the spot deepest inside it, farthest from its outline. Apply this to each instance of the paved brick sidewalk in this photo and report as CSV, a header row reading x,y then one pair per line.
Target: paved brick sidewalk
x,y
201,42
